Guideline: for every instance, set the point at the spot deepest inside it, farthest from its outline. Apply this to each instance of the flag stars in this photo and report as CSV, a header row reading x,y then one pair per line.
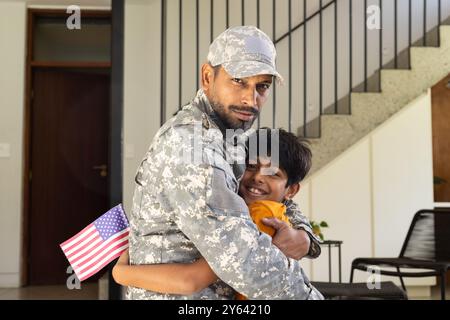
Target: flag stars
x,y
111,222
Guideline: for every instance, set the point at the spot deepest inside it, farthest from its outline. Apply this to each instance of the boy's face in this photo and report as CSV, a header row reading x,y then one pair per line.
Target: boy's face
x,y
257,185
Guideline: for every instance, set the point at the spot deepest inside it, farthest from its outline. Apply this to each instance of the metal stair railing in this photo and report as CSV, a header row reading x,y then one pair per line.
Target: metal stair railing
x,y
419,13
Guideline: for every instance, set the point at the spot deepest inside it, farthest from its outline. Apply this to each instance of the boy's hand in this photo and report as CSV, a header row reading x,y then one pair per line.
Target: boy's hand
x,y
124,258
292,242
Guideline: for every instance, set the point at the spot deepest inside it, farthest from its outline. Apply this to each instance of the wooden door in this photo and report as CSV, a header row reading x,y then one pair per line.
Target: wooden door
x,y
441,139
69,156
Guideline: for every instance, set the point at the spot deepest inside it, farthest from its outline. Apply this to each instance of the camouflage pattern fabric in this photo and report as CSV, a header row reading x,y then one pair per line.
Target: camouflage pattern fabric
x,y
186,209
244,51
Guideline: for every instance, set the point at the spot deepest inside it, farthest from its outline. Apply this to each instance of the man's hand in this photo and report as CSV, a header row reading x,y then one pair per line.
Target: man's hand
x,y
292,242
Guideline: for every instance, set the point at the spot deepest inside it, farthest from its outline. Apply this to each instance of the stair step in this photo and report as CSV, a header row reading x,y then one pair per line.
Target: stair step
x,y
445,36
368,111
401,87
421,55
391,79
371,109
331,123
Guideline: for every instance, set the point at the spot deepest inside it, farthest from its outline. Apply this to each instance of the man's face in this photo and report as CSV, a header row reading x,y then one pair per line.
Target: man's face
x,y
238,102
257,185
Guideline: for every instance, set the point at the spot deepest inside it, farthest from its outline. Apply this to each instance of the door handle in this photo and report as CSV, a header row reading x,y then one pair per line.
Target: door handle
x,y
103,169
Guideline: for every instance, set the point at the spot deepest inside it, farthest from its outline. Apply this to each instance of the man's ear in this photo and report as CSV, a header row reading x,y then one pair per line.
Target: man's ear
x,y
207,76
292,190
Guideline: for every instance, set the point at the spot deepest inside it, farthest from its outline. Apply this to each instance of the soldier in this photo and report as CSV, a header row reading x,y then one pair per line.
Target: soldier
x,y
185,208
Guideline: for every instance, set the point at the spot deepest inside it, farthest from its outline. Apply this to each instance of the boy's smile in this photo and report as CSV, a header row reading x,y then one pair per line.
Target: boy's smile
x,y
256,185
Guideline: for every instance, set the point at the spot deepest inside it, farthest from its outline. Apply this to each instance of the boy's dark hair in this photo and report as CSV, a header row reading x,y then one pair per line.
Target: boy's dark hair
x,y
294,153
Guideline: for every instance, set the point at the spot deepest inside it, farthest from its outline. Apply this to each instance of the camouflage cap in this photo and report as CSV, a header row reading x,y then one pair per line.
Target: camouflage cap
x,y
244,51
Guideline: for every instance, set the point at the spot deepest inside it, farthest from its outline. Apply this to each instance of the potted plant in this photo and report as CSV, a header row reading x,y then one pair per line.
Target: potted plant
x,y
317,228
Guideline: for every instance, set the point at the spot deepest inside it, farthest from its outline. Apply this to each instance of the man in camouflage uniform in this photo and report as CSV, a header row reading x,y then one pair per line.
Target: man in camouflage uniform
x,y
183,210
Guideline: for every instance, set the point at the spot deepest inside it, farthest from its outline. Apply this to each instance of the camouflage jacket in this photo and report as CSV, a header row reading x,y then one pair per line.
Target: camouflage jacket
x,y
183,210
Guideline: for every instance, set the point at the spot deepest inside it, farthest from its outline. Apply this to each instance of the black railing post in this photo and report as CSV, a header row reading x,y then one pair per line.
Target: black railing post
x,y
274,35
365,46
395,35
381,39
290,63
321,68
439,12
335,59
439,23
258,23
227,13
163,62
243,12
258,12
211,21
321,58
197,40
180,54
424,23
350,14
410,23
305,69
381,44
410,31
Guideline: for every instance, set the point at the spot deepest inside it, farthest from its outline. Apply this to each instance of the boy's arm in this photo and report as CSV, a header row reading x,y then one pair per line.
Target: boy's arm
x,y
299,221
210,213
174,278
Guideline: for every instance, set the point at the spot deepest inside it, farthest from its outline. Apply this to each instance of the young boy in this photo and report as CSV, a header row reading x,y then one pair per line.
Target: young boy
x,y
267,196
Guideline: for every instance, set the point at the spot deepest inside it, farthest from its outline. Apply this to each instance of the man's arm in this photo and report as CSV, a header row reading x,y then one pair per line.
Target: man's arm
x,y
207,209
300,222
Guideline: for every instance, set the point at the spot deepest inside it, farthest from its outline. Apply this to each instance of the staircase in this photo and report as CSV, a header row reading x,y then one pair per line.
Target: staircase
x,y
343,78
398,87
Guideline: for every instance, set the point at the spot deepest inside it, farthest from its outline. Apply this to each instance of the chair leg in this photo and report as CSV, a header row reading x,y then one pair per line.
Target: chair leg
x,y
401,280
351,275
443,284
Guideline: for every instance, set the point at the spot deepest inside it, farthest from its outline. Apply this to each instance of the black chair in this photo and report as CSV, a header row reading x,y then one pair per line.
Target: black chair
x,y
359,291
427,246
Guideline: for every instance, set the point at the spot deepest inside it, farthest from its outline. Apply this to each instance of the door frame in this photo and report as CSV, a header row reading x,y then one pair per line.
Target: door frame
x,y
434,95
30,65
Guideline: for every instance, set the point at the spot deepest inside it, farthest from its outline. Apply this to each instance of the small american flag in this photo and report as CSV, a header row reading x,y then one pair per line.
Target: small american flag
x,y
98,244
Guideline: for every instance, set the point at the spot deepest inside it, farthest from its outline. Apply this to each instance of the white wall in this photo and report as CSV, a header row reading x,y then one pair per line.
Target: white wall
x,y
12,79
12,89
341,196
369,194
142,86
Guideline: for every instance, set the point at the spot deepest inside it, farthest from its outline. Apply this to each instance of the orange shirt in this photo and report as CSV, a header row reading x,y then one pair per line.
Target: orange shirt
x,y
265,209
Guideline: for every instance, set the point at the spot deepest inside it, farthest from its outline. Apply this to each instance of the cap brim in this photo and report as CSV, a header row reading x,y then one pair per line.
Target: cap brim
x,y
244,69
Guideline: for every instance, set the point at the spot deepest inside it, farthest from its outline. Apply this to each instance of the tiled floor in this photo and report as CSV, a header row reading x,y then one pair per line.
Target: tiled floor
x,y
436,293
88,291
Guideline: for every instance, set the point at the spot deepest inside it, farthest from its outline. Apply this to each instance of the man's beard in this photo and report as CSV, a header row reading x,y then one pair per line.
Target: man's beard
x,y
233,123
